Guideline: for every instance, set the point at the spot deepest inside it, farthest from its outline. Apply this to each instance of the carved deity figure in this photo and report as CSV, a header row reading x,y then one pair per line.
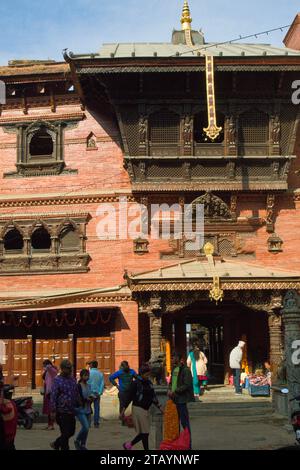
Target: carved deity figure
x,y
232,131
276,130
187,130
143,129
91,143
290,300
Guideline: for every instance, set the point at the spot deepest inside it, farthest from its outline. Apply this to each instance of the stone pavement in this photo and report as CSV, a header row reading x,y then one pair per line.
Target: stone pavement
x,y
221,421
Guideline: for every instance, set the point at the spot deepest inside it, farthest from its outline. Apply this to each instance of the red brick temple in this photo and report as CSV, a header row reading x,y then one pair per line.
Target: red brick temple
x,y
185,122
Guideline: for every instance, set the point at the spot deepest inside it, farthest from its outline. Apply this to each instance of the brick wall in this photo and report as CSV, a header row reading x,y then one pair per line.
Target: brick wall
x,y
102,171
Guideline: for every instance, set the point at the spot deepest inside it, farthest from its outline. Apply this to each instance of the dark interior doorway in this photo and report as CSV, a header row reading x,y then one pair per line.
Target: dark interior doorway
x,y
209,334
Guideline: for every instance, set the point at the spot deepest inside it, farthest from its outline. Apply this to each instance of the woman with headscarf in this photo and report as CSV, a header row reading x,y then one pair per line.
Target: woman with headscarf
x,y
49,374
197,362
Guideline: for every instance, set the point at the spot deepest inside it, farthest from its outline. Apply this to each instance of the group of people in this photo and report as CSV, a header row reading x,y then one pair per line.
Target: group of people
x,y
66,400
137,388
260,377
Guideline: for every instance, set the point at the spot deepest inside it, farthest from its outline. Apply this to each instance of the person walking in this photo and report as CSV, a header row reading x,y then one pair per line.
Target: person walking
x,y
96,382
49,374
142,395
181,391
83,412
64,399
125,376
235,360
197,363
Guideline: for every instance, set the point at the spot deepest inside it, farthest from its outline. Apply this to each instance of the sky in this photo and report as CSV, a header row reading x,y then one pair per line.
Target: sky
x,y
41,29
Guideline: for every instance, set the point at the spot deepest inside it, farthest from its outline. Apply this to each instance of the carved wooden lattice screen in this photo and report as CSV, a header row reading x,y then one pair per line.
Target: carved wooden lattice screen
x,y
131,127
287,119
254,127
164,127
225,248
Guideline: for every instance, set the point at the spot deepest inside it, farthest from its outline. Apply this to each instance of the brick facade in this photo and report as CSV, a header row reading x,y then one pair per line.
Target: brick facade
x,y
101,177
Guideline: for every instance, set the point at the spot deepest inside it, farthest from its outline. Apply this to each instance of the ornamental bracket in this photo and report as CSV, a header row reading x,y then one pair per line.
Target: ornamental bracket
x,y
216,293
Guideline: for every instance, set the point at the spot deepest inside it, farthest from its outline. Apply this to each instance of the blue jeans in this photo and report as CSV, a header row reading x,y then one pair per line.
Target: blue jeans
x,y
97,411
237,380
84,420
183,414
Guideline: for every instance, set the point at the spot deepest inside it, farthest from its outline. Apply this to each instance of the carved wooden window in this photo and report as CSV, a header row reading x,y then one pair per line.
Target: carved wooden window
x,y
226,248
200,122
254,127
41,144
69,240
164,127
44,245
41,240
41,149
13,241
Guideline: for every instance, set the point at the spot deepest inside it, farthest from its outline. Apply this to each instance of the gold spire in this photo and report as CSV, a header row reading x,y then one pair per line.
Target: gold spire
x,y
186,19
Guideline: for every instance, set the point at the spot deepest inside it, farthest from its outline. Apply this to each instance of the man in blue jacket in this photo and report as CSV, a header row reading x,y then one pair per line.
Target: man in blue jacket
x,y
125,376
96,382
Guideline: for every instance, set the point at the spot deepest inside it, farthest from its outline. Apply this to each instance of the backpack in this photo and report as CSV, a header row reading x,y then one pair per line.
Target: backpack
x,y
139,390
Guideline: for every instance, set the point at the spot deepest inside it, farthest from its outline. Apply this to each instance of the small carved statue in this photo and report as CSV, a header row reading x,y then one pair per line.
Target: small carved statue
x,y
276,130
143,129
91,143
187,130
157,364
232,131
281,372
290,300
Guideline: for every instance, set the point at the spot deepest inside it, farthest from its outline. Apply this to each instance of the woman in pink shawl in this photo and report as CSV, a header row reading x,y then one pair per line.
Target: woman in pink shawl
x,y
50,372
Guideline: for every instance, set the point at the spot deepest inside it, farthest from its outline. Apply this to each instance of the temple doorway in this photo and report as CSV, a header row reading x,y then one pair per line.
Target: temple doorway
x,y
218,328
209,335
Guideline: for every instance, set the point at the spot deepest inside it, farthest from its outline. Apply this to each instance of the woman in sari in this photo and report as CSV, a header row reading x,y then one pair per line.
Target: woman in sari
x,y
49,374
197,362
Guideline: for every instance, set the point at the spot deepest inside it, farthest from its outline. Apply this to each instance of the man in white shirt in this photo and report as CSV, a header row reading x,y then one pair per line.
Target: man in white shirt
x,y
235,361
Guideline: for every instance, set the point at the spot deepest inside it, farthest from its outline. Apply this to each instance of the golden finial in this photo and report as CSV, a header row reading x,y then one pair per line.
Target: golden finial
x,y
186,19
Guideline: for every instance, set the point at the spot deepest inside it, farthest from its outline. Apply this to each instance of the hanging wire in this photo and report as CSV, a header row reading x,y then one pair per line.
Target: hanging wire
x,y
240,38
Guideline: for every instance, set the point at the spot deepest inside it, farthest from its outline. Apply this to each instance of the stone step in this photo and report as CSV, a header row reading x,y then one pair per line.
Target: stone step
x,y
231,404
230,409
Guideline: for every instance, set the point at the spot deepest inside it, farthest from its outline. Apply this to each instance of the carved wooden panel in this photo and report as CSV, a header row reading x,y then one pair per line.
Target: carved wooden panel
x,y
65,249
96,349
53,349
17,361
